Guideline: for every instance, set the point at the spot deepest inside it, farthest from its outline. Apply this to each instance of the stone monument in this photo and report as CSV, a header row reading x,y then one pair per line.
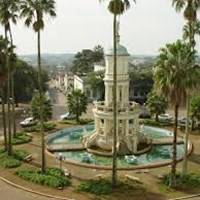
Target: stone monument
x,y
127,112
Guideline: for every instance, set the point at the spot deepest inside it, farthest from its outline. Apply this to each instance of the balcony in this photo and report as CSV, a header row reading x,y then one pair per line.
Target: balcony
x,y
130,107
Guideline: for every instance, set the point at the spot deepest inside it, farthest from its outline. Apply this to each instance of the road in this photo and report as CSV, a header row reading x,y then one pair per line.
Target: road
x,y
58,101
8,192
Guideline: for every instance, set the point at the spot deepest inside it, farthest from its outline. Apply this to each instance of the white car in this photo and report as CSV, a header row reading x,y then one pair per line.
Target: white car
x,y
165,117
28,122
67,116
182,121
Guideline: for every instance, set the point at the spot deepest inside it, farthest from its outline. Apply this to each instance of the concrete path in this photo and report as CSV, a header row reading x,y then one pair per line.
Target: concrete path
x,y
8,192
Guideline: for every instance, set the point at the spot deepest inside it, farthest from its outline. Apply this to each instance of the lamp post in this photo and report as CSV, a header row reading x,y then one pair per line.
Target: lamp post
x,y
60,158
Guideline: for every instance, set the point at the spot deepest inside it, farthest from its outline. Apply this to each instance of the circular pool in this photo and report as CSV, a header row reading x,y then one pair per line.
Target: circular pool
x,y
73,136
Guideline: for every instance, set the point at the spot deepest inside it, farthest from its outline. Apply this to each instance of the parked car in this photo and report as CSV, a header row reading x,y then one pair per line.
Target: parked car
x,y
144,113
182,121
28,122
67,116
165,117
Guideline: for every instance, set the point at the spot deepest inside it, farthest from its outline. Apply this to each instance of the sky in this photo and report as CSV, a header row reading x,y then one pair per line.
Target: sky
x,y
82,24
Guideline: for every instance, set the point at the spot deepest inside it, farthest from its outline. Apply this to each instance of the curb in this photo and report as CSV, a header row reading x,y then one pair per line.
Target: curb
x,y
32,191
132,168
186,197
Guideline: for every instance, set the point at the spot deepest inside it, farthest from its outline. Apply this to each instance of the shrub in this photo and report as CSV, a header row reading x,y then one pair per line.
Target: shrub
x,y
2,151
184,181
98,187
21,138
10,162
47,127
55,172
151,122
53,177
20,154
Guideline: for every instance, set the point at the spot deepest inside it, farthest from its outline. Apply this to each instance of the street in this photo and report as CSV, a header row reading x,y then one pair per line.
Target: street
x,y
8,192
59,102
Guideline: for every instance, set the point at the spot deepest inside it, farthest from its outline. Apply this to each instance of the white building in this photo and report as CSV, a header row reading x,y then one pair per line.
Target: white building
x,y
98,68
68,82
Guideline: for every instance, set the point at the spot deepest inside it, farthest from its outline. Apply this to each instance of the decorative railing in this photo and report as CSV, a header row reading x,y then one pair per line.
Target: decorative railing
x,y
130,107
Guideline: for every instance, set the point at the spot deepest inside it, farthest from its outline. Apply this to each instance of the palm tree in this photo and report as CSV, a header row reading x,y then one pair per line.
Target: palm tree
x,y
190,8
3,77
33,11
174,74
116,7
8,14
186,31
191,29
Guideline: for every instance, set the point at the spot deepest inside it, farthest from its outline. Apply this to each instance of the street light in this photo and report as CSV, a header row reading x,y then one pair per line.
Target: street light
x,y
60,158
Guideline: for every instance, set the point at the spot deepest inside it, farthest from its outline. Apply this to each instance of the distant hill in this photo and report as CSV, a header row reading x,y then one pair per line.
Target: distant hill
x,y
54,61
50,60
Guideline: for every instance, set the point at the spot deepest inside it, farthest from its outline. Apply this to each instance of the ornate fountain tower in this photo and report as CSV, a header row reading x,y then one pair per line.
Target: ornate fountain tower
x,y
128,112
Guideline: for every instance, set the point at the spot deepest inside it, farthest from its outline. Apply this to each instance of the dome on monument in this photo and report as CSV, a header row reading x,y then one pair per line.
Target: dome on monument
x,y
121,51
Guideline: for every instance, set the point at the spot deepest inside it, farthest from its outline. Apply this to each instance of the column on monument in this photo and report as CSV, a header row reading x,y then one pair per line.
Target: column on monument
x,y
126,97
97,123
135,142
110,95
117,130
137,125
106,93
105,127
127,127
122,96
124,127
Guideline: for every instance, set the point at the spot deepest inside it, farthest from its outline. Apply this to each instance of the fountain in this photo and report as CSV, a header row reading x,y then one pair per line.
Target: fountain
x,y
127,118
92,145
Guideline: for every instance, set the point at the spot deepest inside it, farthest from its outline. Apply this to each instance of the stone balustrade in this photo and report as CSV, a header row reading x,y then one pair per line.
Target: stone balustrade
x,y
130,107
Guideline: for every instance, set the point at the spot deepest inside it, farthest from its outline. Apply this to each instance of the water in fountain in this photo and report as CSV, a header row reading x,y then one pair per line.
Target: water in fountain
x,y
131,159
87,158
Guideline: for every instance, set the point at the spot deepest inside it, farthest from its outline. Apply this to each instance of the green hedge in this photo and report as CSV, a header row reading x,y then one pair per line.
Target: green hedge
x,y
14,160
98,187
47,127
53,177
20,154
184,181
10,162
151,122
21,138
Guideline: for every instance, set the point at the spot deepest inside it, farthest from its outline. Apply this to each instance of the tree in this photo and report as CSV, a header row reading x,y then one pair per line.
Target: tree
x,y
191,29
35,107
141,81
7,59
98,53
25,78
190,8
96,82
77,103
84,60
116,8
186,31
3,76
195,109
8,14
157,104
33,11
174,74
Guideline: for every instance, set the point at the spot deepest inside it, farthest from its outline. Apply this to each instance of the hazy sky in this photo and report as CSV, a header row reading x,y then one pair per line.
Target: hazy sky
x,y
146,27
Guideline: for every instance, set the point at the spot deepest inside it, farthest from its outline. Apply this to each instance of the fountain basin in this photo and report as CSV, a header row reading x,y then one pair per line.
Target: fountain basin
x,y
158,155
